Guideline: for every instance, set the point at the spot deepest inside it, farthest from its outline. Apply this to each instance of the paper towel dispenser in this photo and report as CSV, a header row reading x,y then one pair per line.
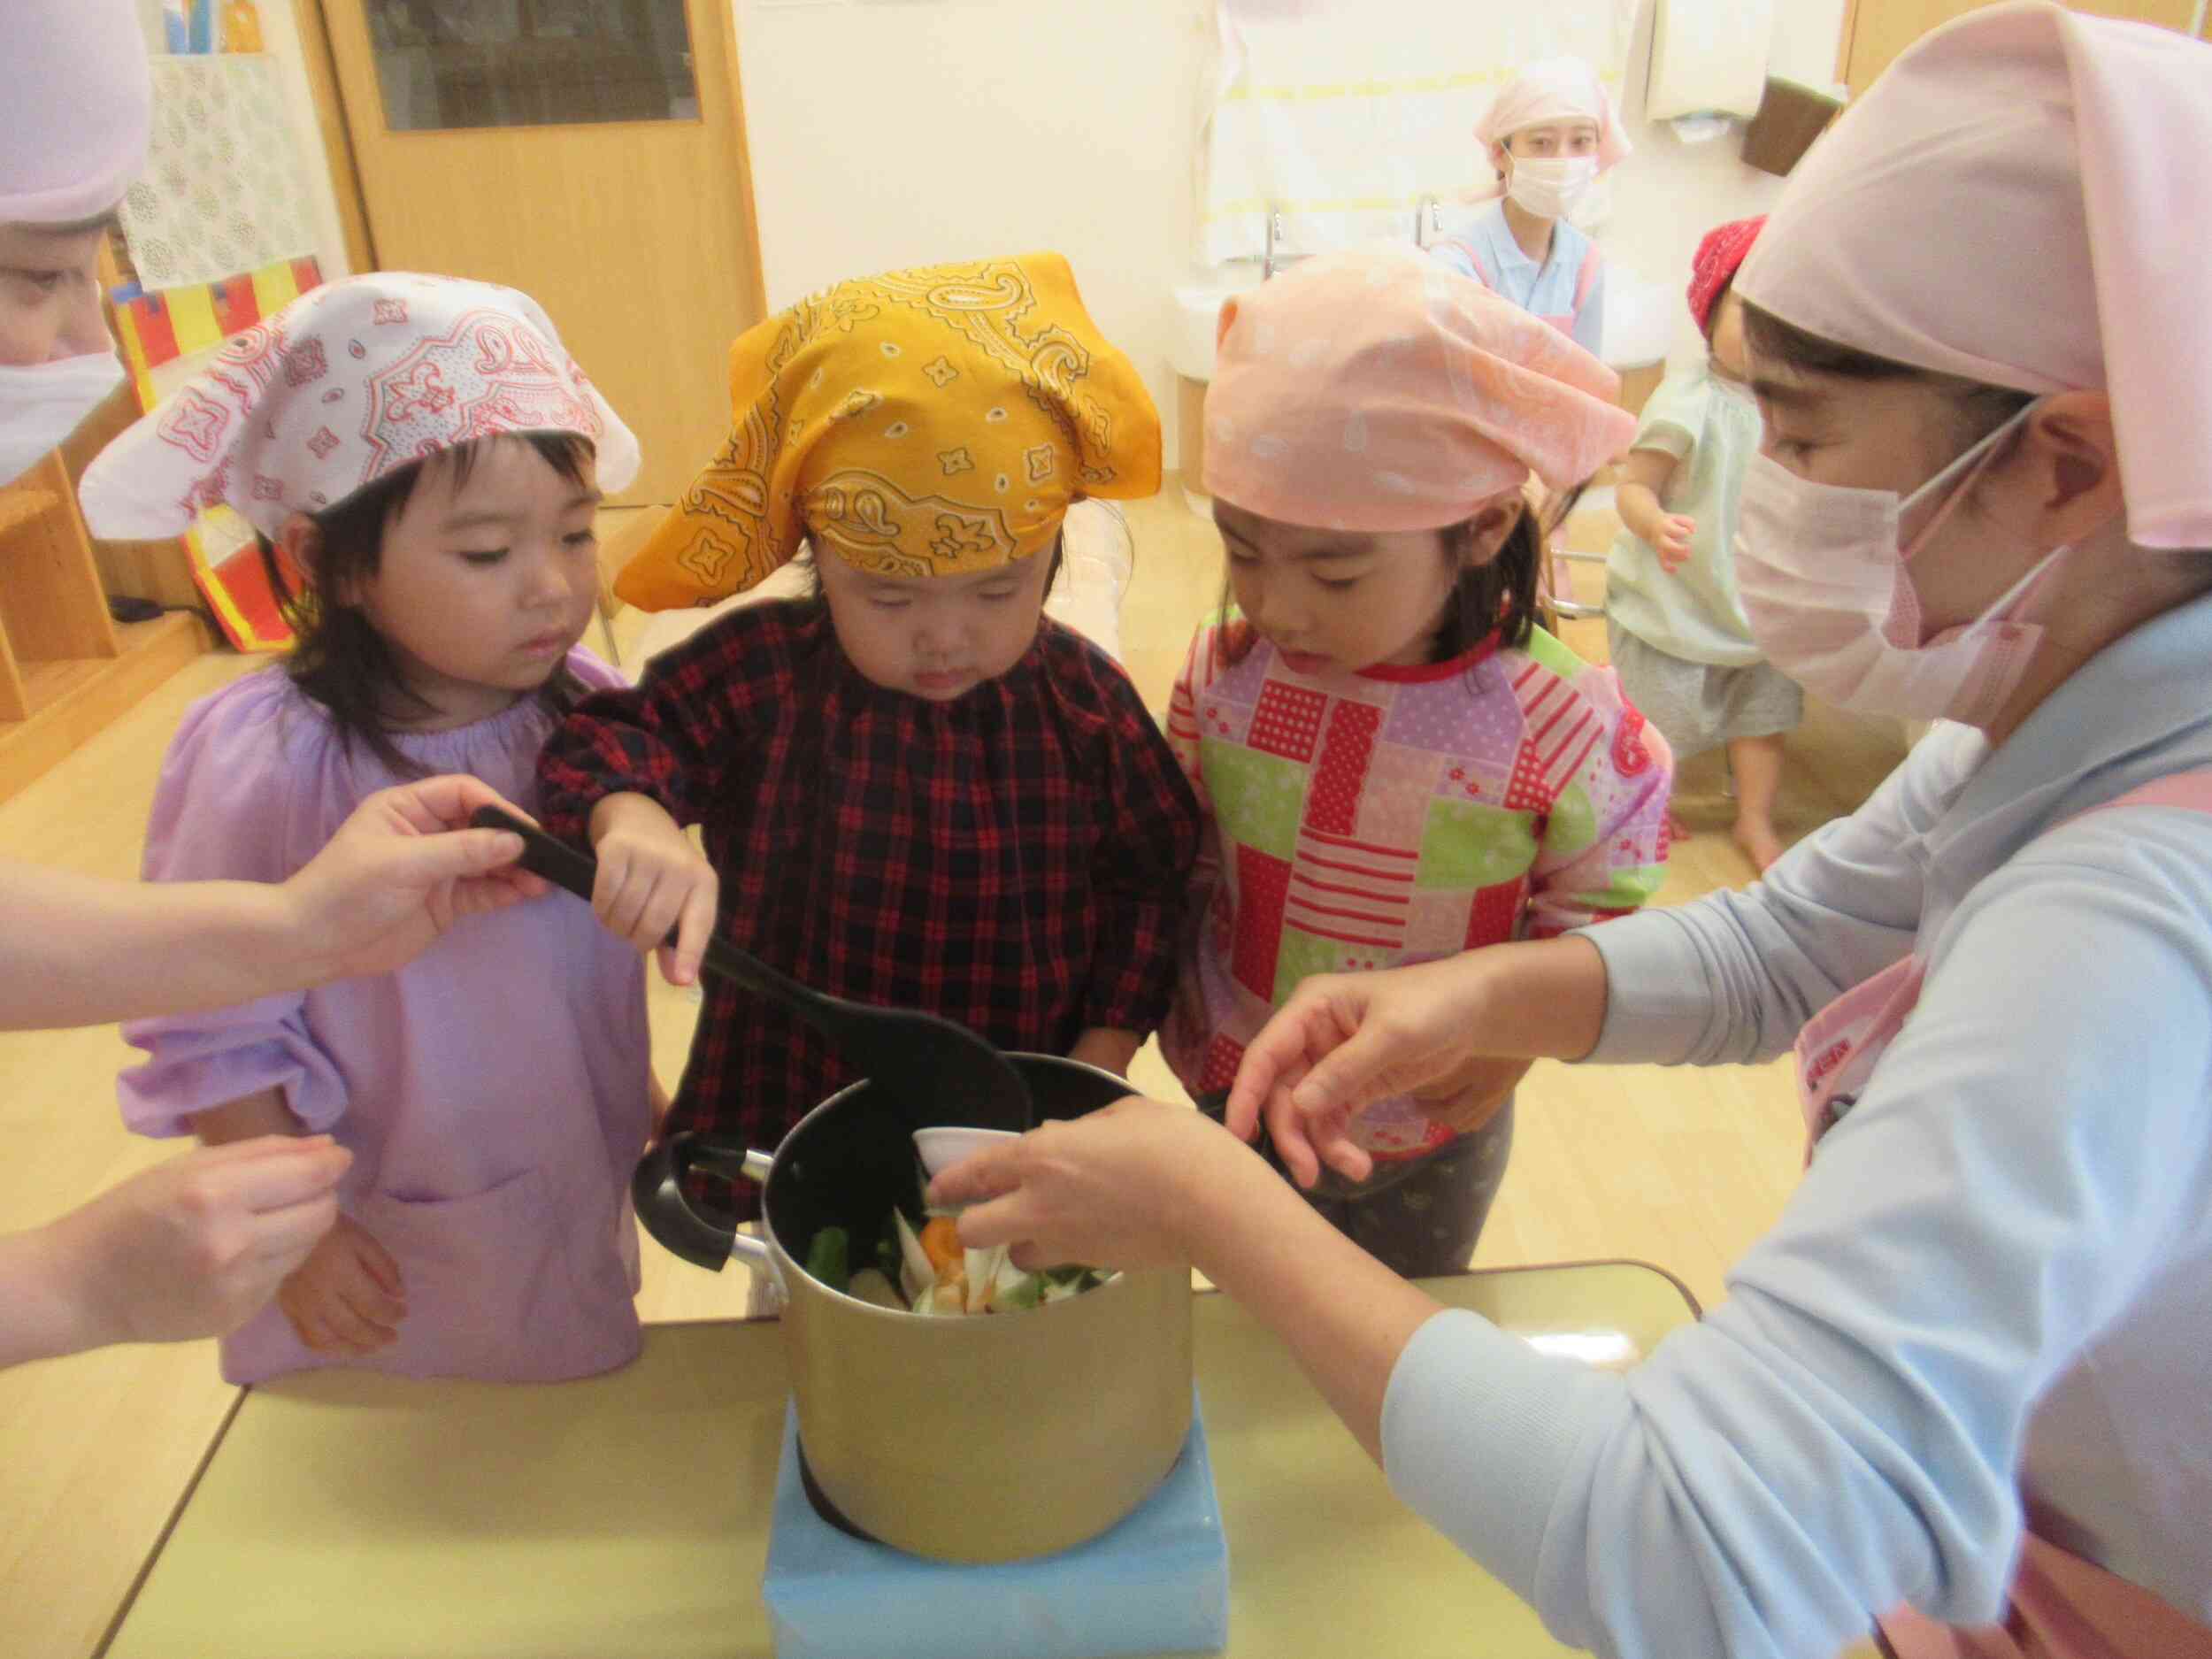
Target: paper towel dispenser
x,y
1708,57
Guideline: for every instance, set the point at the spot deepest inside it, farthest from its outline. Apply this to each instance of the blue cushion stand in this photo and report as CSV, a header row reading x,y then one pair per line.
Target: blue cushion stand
x,y
1156,1583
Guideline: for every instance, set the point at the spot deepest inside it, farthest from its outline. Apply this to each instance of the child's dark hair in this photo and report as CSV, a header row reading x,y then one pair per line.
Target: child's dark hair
x,y
1497,597
337,657
1982,407
1712,312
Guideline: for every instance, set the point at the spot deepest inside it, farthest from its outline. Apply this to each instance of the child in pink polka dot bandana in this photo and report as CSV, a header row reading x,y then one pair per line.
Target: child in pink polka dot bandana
x,y
426,458
1395,762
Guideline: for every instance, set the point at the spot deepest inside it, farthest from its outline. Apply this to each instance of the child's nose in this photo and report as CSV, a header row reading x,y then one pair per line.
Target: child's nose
x,y
555,582
1274,613
84,328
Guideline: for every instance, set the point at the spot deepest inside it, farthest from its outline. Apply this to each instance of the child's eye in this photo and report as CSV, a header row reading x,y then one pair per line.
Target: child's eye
x,y
999,596
582,539
491,555
890,604
39,281
1338,584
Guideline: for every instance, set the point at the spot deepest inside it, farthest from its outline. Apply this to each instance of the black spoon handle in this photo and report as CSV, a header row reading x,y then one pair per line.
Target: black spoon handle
x,y
577,871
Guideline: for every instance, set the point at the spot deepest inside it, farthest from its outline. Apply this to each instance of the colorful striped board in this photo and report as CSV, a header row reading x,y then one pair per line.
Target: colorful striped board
x,y
166,337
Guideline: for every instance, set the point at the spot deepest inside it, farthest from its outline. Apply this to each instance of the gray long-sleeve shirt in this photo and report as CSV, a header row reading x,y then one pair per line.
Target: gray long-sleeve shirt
x,y
1995,1278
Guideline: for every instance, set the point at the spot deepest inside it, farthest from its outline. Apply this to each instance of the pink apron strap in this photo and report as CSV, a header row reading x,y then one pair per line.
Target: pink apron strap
x,y
2062,1607
1474,258
1586,278
2191,791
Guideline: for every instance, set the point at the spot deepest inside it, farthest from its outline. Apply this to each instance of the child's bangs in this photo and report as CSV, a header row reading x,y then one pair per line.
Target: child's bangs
x,y
568,453
373,506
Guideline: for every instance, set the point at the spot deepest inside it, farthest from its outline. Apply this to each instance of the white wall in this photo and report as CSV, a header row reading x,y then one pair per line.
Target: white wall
x,y
281,37
886,134
890,135
1669,194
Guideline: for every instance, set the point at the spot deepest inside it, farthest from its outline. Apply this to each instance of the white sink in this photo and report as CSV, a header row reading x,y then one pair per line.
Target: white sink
x,y
1198,315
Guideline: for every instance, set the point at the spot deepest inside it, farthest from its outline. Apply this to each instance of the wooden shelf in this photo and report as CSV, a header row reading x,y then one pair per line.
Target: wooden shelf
x,y
67,669
21,506
74,699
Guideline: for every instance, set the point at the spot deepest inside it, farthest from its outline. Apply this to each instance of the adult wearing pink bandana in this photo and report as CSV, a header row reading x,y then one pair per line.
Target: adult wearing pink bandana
x,y
1549,135
1961,1385
196,1245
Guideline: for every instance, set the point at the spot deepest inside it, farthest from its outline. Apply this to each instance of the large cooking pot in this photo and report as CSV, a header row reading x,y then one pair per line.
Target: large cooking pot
x,y
990,1438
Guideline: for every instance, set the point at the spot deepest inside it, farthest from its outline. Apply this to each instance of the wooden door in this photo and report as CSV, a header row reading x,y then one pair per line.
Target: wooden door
x,y
1876,31
589,152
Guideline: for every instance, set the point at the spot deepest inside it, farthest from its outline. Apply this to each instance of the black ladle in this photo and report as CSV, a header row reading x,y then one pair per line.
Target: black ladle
x,y
942,1065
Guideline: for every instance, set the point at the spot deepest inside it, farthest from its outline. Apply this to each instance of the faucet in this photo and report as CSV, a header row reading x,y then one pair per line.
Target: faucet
x,y
1428,220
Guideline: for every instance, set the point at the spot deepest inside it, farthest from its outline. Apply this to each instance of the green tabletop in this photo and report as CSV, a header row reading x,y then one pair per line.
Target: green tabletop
x,y
356,1515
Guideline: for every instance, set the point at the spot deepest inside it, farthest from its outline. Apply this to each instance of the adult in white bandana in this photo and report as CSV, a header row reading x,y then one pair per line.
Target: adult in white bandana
x,y
1962,1380
197,1245
74,84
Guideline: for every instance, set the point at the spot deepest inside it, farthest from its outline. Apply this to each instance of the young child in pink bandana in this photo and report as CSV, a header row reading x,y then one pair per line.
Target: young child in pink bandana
x,y
427,456
1396,763
1675,626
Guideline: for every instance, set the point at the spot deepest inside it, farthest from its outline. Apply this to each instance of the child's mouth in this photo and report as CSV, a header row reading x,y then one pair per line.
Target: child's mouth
x,y
1303,661
940,679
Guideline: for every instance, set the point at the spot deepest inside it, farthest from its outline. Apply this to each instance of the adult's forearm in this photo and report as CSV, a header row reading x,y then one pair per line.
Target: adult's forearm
x,y
76,951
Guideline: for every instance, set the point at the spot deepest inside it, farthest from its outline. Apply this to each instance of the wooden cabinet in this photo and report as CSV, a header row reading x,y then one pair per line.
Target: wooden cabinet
x,y
66,669
1876,31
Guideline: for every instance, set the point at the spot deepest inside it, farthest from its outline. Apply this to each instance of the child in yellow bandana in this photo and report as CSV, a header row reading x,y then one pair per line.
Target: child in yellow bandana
x,y
918,792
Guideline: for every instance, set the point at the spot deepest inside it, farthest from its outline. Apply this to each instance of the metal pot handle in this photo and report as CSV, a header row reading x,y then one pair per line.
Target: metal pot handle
x,y
656,1189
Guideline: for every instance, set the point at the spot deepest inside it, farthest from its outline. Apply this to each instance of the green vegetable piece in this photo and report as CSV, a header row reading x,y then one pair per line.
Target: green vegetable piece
x,y
826,1258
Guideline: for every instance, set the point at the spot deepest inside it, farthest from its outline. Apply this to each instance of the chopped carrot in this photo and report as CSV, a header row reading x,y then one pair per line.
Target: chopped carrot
x,y
941,1242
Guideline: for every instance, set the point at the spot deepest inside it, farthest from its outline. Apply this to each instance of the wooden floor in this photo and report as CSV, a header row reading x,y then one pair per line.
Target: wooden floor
x,y
1678,1167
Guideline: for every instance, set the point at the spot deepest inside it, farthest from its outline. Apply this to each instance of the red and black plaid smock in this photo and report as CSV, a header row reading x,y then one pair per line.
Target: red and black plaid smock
x,y
1014,860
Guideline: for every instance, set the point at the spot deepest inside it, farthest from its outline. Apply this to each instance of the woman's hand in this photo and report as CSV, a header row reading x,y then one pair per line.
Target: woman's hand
x,y
1455,1034
194,1247
397,873
1342,1042
653,882
1117,1188
1144,1185
1473,1093
347,1297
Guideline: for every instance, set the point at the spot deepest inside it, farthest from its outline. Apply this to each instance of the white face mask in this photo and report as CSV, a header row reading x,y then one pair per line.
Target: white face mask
x,y
1822,571
1549,186
43,402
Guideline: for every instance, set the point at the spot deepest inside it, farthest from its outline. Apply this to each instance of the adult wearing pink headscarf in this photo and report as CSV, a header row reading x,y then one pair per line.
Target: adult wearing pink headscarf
x,y
197,1245
1548,135
1965,1371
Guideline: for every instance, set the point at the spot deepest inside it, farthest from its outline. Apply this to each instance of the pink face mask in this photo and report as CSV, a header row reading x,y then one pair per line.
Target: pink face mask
x,y
1823,573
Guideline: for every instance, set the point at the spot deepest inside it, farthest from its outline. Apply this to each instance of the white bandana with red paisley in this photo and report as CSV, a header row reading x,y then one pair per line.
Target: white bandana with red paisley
x,y
348,384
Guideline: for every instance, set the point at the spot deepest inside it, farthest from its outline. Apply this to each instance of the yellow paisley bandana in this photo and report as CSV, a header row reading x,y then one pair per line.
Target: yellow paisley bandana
x,y
932,422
